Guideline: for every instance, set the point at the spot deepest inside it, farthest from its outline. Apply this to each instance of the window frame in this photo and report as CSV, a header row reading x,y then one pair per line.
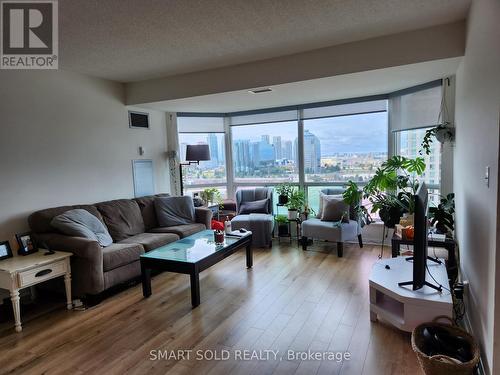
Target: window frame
x,y
206,185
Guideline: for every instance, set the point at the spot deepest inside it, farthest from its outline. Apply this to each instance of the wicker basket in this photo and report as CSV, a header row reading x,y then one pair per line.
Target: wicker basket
x,y
441,364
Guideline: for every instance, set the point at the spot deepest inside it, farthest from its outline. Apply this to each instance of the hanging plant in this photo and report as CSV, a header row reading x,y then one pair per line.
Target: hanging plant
x,y
443,133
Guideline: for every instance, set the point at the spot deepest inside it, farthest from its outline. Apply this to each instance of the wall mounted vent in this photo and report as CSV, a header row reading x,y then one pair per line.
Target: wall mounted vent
x,y
138,120
260,91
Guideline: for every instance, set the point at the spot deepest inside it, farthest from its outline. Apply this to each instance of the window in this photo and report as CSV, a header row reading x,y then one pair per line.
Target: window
x,y
265,153
409,142
208,172
342,148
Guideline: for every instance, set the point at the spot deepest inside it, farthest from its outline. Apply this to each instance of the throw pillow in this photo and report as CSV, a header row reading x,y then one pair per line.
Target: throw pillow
x,y
335,209
172,211
322,198
255,207
81,223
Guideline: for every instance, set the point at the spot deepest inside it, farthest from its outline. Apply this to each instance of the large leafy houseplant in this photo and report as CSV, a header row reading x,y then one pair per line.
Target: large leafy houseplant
x,y
442,215
393,186
353,196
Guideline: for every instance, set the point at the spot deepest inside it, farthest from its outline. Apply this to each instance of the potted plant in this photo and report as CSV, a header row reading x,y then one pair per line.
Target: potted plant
x,y
393,186
306,212
442,215
282,222
443,133
211,195
352,196
283,190
295,202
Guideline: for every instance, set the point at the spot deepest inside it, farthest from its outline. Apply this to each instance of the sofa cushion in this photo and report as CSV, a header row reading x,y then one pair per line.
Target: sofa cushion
x,y
171,211
181,230
122,217
81,223
148,211
39,221
255,207
151,241
120,254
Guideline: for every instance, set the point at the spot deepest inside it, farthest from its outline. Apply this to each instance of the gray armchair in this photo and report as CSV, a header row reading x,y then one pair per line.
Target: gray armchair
x,y
330,231
260,223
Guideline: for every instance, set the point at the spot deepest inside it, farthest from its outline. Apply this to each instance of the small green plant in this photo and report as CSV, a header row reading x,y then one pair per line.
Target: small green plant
x,y
281,219
211,195
284,189
296,200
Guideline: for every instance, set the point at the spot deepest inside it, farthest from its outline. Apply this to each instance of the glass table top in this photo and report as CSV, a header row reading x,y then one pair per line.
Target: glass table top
x,y
191,249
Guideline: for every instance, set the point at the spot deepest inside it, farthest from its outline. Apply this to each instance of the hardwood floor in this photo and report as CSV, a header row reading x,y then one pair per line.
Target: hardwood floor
x,y
290,300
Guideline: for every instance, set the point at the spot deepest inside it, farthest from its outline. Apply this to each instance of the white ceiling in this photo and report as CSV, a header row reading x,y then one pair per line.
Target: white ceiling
x,y
131,40
354,85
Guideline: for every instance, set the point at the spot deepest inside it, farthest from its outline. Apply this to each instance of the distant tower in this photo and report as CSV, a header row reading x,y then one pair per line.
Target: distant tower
x,y
214,149
312,152
277,147
265,138
288,150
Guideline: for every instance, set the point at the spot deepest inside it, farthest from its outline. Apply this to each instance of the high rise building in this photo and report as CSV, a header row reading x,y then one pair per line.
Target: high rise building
x,y
312,152
277,147
265,138
242,159
288,150
214,149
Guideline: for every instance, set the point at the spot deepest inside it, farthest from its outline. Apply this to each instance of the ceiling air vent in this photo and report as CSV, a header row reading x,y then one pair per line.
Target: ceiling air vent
x,y
260,91
138,120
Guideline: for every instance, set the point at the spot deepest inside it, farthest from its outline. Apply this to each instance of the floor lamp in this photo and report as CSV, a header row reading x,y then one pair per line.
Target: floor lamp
x,y
194,154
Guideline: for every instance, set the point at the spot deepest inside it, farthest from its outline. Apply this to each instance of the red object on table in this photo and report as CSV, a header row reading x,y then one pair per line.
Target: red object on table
x,y
217,225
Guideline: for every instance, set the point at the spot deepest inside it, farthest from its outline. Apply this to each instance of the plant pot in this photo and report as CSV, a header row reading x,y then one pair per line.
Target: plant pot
x,y
292,214
283,230
282,199
390,216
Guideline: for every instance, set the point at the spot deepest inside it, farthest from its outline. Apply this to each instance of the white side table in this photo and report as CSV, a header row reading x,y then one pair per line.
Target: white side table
x,y
24,271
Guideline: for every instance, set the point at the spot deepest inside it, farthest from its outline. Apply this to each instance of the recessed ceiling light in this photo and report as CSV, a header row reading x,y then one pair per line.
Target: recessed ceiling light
x,y
260,91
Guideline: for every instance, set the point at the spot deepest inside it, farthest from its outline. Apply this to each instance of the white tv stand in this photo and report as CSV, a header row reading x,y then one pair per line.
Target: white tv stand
x,y
401,306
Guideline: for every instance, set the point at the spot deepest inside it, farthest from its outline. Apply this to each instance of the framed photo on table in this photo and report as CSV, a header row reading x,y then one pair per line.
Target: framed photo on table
x,y
26,243
5,251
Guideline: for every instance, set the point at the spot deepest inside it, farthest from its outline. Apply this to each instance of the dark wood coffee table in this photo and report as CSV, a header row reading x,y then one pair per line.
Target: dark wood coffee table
x,y
191,255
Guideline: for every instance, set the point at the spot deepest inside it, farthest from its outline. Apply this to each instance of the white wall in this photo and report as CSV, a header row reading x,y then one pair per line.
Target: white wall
x,y
65,139
477,141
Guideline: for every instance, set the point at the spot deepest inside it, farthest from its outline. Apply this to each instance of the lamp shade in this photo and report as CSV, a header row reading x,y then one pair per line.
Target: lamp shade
x,y
197,152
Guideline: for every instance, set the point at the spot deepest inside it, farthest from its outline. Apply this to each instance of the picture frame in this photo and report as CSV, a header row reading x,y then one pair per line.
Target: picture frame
x,y
27,244
5,250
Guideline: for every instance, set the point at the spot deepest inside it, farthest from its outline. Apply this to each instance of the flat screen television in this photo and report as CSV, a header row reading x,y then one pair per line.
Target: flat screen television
x,y
419,258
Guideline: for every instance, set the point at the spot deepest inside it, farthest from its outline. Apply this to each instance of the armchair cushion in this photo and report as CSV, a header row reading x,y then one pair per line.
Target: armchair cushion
x,y
255,207
334,209
330,231
172,211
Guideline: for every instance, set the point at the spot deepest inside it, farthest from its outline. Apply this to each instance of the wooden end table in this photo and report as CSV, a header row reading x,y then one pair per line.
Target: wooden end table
x,y
22,272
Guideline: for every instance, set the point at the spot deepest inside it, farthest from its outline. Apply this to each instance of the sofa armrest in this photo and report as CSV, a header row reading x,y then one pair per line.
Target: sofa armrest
x,y
203,216
86,262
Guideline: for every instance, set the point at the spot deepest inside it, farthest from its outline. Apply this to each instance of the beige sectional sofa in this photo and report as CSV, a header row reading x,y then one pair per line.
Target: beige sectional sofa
x,y
133,226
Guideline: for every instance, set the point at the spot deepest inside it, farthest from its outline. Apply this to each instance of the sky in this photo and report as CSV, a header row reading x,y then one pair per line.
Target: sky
x,y
355,133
